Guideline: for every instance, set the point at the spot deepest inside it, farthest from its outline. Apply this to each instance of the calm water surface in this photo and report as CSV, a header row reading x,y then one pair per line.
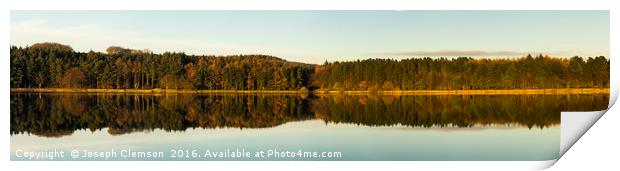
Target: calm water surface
x,y
364,127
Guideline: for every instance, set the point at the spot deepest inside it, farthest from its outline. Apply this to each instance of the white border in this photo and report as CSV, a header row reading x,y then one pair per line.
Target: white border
x,y
603,146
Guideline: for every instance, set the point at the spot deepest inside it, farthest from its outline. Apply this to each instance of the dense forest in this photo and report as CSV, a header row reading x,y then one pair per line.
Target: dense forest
x,y
61,114
58,66
53,65
464,73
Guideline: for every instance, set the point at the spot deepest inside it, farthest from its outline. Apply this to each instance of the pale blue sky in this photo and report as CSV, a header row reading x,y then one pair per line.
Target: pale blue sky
x,y
316,36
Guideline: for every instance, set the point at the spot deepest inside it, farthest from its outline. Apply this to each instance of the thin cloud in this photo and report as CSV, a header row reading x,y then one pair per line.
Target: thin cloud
x,y
459,53
99,37
31,23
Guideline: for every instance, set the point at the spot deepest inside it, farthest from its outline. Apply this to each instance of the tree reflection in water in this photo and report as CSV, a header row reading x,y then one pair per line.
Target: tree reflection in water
x,y
55,115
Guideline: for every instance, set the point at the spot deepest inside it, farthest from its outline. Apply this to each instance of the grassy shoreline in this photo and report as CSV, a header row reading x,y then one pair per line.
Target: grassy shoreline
x,y
398,92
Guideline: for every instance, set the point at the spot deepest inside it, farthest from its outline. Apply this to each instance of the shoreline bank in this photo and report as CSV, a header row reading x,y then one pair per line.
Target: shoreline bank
x,y
393,92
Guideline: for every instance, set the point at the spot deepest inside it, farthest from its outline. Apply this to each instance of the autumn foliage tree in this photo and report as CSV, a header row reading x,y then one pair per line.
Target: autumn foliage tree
x,y
54,65
73,78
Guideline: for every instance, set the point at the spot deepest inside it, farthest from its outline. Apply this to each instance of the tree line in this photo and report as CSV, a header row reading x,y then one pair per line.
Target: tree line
x,y
464,73
53,65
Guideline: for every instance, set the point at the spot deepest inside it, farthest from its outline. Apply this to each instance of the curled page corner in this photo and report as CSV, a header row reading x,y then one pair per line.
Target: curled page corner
x,y
574,125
